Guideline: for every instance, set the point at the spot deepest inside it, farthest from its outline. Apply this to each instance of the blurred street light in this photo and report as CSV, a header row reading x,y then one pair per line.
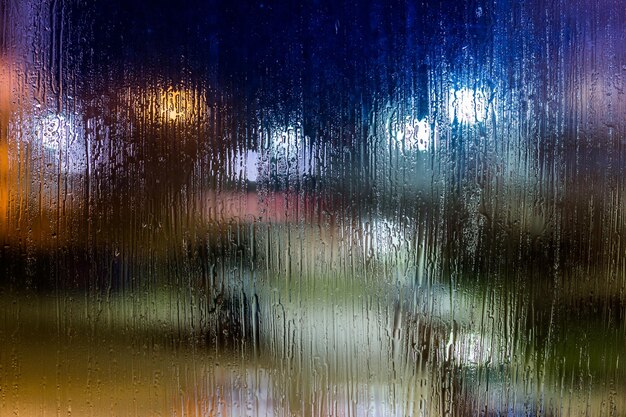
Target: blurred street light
x,y
467,105
61,137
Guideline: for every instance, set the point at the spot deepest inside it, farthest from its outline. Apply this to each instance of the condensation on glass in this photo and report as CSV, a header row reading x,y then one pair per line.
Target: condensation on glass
x,y
214,208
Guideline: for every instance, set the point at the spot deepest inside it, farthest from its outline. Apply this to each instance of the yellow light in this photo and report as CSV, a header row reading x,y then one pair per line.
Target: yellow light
x,y
159,105
179,104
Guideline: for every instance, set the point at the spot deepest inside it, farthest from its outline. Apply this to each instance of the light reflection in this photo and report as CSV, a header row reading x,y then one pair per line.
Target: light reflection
x,y
409,133
59,134
415,134
54,131
467,105
473,349
5,91
165,105
5,110
179,104
245,165
287,153
286,142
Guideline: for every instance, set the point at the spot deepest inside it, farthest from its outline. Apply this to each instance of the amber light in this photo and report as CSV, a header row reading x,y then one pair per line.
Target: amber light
x,y
5,111
180,105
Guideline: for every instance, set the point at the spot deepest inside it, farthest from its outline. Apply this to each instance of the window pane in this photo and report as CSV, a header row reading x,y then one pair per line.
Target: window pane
x,y
324,208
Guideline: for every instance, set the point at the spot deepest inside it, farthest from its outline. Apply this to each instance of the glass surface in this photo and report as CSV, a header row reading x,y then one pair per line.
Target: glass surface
x,y
321,208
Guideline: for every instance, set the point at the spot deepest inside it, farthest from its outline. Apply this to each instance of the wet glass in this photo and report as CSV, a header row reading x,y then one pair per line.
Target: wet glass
x,y
324,208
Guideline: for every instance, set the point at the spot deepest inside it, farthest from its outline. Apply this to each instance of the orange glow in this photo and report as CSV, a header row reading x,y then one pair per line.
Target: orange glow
x,y
4,186
5,110
183,105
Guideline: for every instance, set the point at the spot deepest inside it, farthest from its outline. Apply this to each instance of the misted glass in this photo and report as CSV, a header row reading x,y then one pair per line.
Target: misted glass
x,y
318,208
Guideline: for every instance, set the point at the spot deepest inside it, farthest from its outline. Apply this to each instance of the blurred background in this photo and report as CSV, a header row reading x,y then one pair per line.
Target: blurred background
x,y
320,208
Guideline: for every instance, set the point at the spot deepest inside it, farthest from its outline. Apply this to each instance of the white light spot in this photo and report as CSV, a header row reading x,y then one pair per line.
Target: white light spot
x,y
54,131
60,137
246,165
471,348
467,106
415,134
421,135
286,142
